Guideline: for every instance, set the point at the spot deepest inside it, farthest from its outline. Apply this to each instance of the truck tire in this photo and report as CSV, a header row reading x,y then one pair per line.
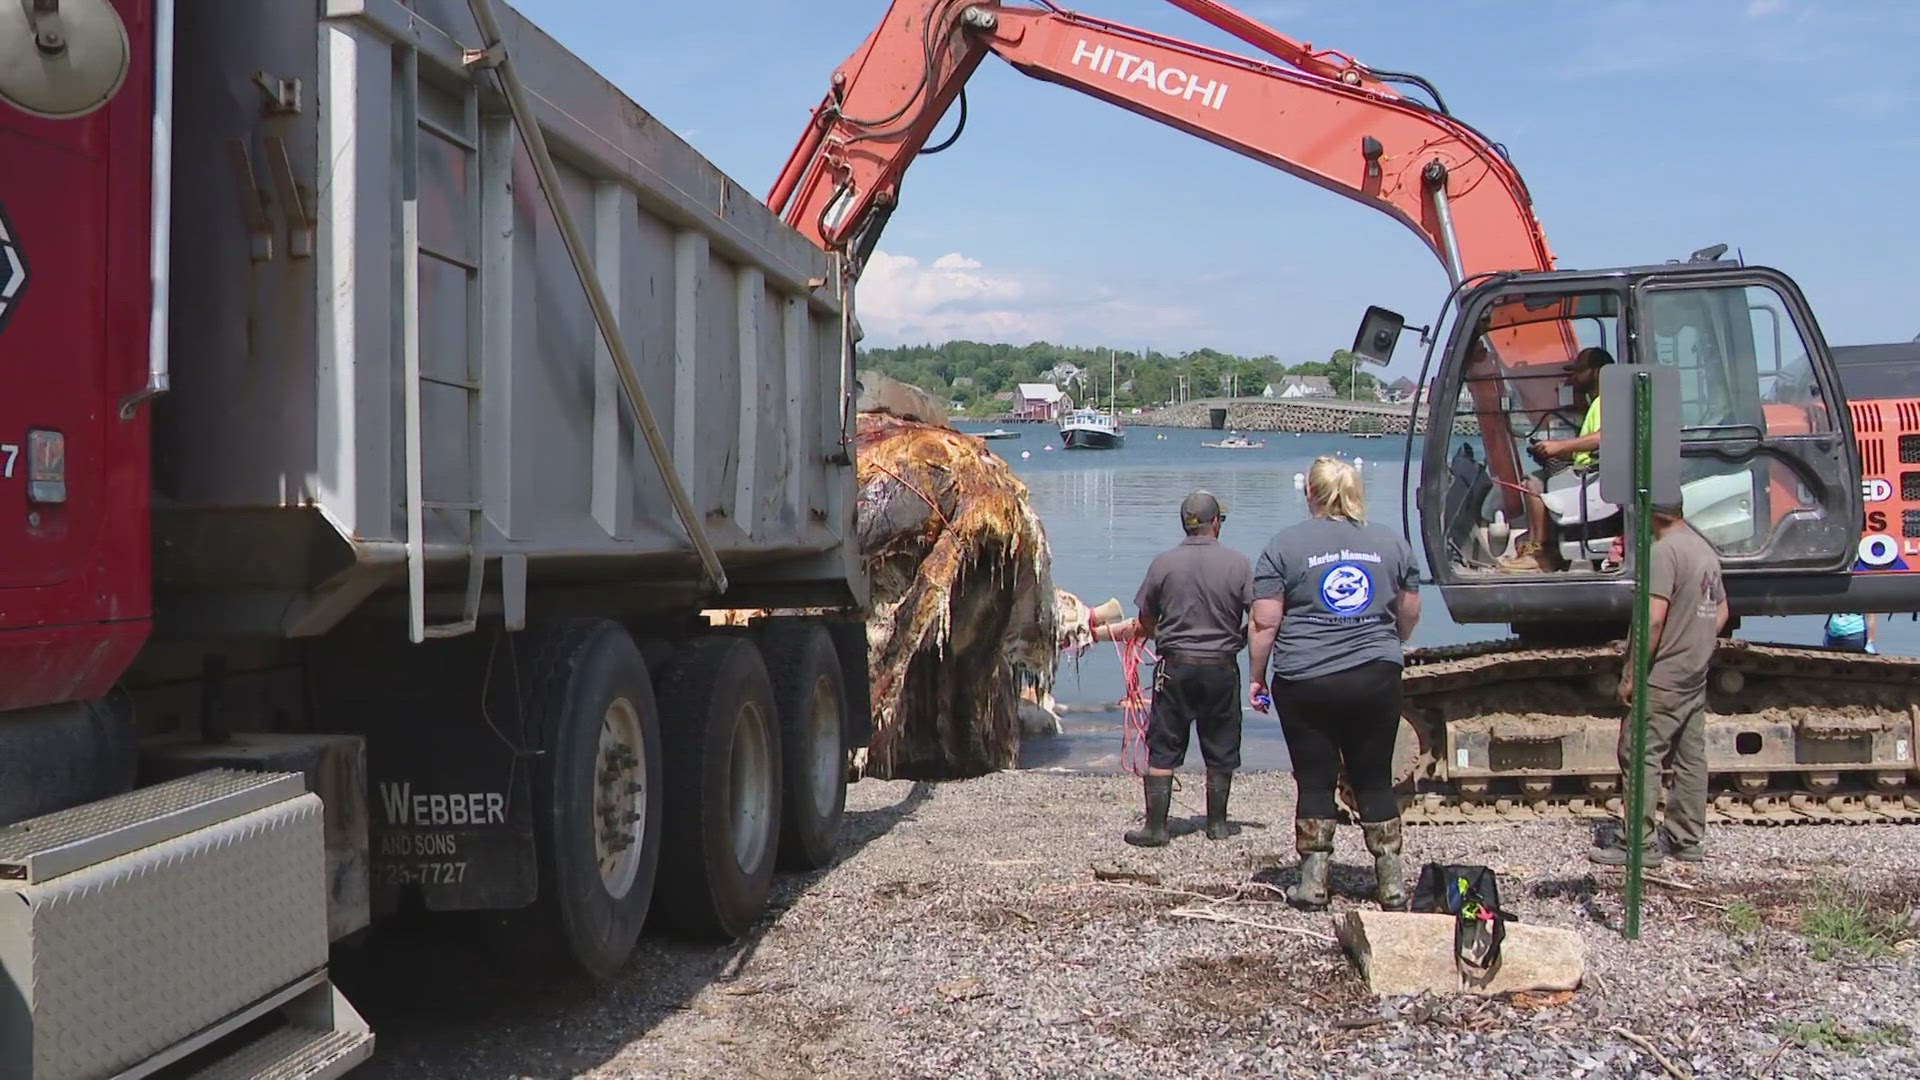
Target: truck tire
x,y
811,695
722,747
597,792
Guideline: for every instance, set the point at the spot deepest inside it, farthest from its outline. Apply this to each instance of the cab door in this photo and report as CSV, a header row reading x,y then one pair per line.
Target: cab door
x,y
1769,473
75,296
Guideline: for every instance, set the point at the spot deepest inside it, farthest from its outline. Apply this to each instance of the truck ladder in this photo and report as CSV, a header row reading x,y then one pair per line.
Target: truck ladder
x,y
448,139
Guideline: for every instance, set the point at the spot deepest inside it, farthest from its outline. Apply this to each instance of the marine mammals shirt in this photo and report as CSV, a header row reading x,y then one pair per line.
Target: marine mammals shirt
x,y
1338,582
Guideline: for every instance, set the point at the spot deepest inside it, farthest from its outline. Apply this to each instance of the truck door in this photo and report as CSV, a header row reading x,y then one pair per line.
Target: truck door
x,y
1769,473
74,299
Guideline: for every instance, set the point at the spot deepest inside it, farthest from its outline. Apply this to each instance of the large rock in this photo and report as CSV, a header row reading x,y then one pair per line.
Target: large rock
x,y
882,394
1410,953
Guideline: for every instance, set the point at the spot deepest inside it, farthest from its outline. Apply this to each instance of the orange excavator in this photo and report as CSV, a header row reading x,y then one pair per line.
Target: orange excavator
x,y
1772,447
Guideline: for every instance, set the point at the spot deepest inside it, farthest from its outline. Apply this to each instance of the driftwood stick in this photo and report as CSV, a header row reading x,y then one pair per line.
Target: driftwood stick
x,y
1214,915
1670,883
1672,1070
1160,889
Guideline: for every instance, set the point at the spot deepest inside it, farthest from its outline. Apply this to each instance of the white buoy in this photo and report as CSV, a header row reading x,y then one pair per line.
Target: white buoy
x,y
1359,463
1025,454
1049,446
1299,481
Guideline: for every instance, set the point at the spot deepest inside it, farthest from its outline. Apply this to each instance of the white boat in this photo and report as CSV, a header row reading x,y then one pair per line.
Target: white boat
x,y
1095,428
998,433
1091,429
1236,441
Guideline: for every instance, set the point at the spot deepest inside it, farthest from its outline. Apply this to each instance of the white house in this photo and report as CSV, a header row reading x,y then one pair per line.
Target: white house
x,y
1300,386
1063,372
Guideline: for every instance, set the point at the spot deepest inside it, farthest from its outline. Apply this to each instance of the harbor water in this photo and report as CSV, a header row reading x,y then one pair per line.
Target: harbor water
x,y
1109,512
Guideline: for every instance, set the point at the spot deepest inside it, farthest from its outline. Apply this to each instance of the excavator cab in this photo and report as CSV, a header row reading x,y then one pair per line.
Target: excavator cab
x,y
1769,473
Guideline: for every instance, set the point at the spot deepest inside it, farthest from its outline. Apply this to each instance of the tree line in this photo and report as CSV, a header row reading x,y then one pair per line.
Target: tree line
x,y
972,372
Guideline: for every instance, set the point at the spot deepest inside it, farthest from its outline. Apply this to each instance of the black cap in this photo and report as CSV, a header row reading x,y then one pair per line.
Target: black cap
x,y
1669,509
1595,358
1200,508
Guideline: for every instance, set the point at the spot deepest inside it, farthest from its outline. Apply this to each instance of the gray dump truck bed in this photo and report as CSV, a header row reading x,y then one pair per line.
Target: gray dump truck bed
x,y
284,453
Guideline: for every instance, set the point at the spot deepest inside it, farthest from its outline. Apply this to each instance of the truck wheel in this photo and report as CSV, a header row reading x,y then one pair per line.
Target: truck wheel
x,y
722,744
597,791
812,699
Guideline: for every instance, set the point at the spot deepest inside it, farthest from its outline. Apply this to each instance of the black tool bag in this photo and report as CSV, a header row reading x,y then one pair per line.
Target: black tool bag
x,y
1471,894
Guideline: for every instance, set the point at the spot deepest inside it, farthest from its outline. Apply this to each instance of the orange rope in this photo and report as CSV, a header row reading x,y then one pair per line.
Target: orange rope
x,y
1135,705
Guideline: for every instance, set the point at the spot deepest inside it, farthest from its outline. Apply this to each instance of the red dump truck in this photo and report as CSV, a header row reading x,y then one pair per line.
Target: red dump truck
x,y
386,403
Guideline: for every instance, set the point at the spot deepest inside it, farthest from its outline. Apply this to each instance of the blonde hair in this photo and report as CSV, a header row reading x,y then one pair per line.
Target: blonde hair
x,y
1333,490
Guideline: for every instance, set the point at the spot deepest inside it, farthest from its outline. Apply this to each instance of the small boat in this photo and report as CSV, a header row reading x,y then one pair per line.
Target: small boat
x,y
1235,442
1091,429
998,433
1094,428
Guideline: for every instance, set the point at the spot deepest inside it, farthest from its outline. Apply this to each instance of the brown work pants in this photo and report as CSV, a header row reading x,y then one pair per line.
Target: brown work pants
x,y
1676,739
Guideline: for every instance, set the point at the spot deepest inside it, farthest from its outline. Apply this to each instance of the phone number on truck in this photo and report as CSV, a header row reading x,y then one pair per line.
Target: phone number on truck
x,y
429,873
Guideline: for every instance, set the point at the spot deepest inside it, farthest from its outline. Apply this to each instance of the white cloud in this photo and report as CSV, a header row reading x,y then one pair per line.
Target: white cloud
x,y
903,300
1874,102
1639,35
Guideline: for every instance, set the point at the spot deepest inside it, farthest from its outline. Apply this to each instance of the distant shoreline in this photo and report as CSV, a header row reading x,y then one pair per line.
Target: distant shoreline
x,y
1296,417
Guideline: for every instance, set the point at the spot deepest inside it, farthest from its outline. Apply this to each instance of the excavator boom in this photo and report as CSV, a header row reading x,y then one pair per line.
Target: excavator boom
x,y
1319,116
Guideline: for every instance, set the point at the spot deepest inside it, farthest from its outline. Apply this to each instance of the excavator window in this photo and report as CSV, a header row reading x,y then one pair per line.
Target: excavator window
x,y
1515,391
1744,383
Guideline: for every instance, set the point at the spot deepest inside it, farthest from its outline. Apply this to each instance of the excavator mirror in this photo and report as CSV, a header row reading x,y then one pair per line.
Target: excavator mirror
x,y
1379,333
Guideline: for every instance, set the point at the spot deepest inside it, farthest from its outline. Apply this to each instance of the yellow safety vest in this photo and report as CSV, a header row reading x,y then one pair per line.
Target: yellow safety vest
x,y
1585,458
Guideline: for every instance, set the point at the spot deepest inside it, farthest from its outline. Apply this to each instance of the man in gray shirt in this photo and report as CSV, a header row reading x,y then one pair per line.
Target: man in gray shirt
x,y
1687,611
1193,603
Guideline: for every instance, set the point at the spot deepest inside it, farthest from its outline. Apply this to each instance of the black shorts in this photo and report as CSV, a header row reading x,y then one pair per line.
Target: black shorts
x,y
1188,695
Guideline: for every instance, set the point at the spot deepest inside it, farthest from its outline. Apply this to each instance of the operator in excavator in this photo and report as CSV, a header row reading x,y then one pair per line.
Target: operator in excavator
x,y
1578,502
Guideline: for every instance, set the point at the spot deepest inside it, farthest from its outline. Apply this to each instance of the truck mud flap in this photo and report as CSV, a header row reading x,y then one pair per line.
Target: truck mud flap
x,y
184,925
850,641
450,797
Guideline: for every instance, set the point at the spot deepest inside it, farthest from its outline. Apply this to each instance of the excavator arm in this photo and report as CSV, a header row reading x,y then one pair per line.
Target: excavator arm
x,y
1318,115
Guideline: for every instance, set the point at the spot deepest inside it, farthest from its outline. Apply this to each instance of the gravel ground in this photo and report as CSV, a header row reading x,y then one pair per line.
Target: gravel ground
x,y
963,933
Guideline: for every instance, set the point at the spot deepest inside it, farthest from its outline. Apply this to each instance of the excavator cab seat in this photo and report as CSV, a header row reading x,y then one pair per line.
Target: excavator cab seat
x,y
1584,525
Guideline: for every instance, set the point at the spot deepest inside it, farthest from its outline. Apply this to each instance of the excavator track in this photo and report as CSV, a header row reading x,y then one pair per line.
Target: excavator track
x,y
1503,730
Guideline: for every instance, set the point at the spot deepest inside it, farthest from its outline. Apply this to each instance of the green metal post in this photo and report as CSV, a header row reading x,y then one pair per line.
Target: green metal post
x,y
1637,795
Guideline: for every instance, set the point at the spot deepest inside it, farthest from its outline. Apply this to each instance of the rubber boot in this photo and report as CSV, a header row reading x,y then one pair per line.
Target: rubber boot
x,y
1159,791
1219,787
1383,840
1313,839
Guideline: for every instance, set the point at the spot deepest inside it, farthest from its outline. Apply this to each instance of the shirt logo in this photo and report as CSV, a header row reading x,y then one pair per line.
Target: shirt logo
x,y
1346,589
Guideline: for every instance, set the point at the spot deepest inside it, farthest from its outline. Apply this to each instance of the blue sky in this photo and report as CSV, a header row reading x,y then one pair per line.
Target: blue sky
x,y
1787,128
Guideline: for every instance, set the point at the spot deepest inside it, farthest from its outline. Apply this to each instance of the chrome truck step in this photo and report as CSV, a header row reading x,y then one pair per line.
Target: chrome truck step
x,y
183,923
326,1040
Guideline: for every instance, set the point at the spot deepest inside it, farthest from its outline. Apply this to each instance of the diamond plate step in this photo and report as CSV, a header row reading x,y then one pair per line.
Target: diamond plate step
x,y
295,1053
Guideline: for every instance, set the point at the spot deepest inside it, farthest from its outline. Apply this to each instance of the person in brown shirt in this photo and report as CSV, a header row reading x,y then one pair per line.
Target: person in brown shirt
x,y
1688,609
1193,603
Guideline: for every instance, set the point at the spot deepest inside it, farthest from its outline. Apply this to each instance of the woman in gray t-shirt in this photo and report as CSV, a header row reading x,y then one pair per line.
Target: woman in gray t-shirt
x,y
1333,599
